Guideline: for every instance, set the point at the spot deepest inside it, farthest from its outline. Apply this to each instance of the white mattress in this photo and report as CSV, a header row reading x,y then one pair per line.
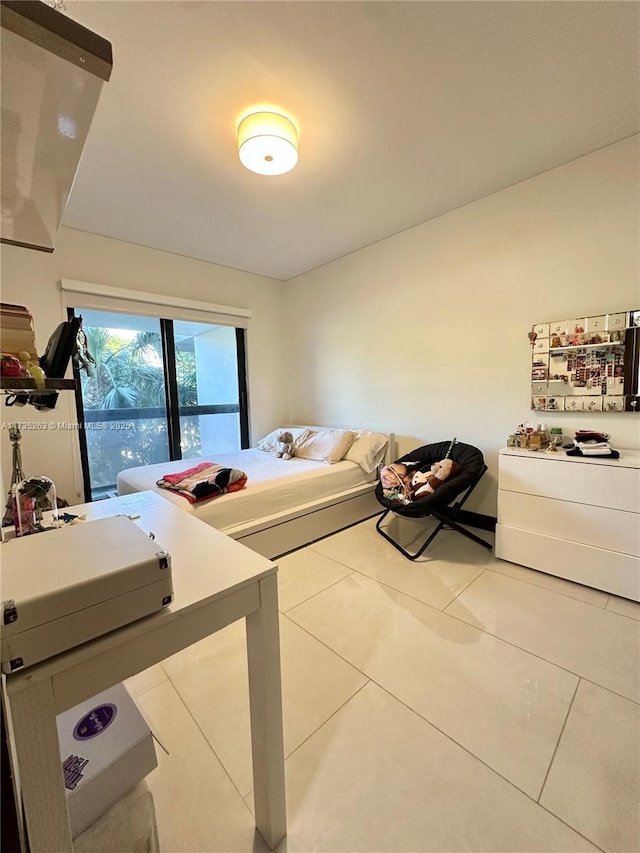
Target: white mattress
x,y
273,485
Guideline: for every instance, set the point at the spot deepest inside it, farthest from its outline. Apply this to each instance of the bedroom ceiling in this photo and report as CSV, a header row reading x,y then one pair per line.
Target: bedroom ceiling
x,y
406,110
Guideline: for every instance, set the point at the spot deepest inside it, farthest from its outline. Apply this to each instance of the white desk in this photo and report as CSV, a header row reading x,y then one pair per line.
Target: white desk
x,y
216,581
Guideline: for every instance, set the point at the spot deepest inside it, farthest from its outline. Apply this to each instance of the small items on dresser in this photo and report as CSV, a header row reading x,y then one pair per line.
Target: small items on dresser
x,y
539,439
555,438
588,443
585,443
535,438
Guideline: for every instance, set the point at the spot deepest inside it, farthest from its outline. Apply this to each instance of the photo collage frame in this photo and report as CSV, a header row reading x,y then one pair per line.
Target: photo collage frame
x,y
585,364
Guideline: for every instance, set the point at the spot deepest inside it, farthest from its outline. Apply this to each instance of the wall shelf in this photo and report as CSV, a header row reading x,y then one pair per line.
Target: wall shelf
x,y
11,385
607,345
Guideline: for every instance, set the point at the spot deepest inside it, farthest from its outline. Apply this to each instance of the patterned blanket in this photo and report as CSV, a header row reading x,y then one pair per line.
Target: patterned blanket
x,y
204,481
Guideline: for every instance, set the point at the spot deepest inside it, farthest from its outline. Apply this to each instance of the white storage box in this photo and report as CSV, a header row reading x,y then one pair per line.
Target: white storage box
x,y
63,587
106,748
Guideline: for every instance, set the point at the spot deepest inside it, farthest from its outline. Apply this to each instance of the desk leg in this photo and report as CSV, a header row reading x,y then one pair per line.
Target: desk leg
x,y
36,739
265,697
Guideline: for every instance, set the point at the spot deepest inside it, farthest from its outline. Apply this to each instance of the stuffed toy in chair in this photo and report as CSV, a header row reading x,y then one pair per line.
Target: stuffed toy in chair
x,y
425,483
396,482
286,450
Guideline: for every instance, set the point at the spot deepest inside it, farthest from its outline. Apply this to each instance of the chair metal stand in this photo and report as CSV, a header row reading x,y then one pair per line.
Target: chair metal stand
x,y
447,521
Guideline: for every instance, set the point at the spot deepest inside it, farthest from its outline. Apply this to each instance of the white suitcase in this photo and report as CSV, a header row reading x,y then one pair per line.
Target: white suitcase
x,y
63,587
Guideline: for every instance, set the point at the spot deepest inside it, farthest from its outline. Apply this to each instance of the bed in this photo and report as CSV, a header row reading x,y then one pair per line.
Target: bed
x,y
285,503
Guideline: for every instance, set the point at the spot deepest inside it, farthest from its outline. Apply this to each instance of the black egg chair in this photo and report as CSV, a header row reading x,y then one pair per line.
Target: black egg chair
x,y
445,504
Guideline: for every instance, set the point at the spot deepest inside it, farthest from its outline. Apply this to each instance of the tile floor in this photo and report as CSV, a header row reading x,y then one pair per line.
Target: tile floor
x,y
458,703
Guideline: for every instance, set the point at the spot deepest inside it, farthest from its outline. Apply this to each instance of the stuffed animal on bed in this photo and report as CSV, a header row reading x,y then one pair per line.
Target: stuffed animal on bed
x,y
425,483
286,450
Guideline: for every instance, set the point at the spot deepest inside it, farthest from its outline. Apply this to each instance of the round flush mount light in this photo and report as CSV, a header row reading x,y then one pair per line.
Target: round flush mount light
x,y
267,143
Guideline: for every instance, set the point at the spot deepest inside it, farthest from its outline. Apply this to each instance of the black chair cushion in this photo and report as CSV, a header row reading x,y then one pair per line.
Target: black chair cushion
x,y
470,460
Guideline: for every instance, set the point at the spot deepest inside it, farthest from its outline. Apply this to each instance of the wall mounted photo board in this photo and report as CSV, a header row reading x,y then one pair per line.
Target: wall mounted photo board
x,y
589,364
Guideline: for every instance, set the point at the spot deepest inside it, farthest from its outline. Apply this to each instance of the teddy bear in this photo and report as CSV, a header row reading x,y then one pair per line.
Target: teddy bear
x,y
286,449
425,483
399,484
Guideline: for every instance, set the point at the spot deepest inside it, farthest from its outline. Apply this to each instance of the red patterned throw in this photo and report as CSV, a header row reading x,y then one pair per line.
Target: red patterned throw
x,y
203,482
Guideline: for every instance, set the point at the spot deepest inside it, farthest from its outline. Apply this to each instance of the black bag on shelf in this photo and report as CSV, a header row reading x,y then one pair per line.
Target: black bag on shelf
x,y
60,348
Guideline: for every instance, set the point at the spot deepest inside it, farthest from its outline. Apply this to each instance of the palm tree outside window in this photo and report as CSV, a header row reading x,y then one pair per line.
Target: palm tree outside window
x,y
157,390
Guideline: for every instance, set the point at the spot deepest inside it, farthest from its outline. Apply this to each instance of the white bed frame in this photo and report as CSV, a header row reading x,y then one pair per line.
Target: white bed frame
x,y
281,532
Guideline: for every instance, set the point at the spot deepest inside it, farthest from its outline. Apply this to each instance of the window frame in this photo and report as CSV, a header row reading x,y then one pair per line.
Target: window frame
x,y
171,411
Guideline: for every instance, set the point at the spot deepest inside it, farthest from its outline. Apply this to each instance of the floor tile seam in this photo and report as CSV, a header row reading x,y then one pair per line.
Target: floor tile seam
x,y
402,702
553,591
457,595
328,647
319,592
624,615
483,630
401,592
206,739
546,589
609,690
488,766
469,625
564,725
140,693
458,619
317,729
288,755
546,660
333,559
324,722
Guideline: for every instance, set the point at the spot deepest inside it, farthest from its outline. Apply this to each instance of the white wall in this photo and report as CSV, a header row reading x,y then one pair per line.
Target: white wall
x,y
31,278
425,333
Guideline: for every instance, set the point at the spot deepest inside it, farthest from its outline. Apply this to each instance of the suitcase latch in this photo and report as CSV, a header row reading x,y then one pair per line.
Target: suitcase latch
x,y
10,611
164,560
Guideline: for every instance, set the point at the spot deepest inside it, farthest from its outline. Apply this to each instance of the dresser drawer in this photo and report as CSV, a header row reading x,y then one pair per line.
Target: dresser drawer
x,y
613,404
596,324
575,480
541,330
559,327
600,527
541,346
608,570
617,322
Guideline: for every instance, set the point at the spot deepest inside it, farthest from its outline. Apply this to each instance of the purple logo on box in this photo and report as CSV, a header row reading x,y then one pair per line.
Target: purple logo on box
x,y
95,722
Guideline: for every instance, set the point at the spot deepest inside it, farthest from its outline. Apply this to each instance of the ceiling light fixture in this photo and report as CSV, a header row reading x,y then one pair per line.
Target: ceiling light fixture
x,y
267,143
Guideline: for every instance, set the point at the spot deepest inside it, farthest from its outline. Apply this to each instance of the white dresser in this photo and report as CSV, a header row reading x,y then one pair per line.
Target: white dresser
x,y
577,518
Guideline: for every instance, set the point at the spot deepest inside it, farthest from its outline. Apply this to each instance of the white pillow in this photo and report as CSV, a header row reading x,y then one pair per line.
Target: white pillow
x,y
367,449
326,445
270,442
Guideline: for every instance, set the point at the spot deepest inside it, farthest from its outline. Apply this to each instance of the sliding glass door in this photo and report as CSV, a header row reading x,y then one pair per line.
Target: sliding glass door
x,y
157,390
